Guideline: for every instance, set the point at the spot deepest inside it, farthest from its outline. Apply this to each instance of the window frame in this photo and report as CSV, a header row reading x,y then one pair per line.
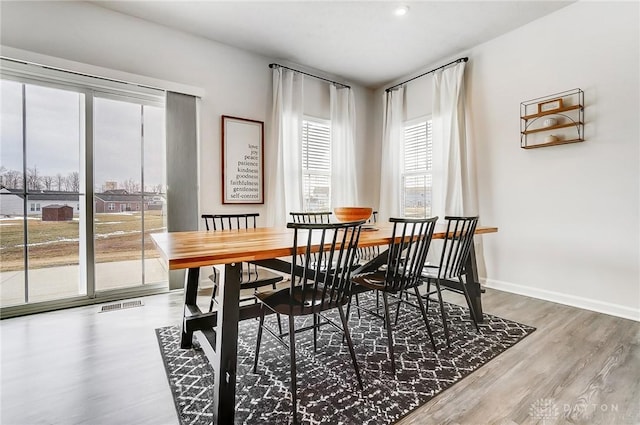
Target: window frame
x,y
426,172
306,197
91,87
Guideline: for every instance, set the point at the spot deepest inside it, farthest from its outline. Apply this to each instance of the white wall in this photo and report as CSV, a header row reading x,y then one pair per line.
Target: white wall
x,y
235,82
568,216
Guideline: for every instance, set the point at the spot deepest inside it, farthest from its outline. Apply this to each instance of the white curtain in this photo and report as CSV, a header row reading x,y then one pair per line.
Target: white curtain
x,y
344,186
454,190
284,182
392,156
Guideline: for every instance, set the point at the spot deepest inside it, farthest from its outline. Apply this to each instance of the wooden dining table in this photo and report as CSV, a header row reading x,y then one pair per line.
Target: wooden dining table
x,y
266,247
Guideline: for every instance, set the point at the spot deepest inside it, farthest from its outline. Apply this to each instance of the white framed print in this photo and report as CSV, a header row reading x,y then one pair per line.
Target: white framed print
x,y
242,161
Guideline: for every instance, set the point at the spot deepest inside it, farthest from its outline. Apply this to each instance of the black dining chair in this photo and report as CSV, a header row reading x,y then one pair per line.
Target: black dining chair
x,y
368,253
311,217
319,217
406,257
456,249
252,277
313,290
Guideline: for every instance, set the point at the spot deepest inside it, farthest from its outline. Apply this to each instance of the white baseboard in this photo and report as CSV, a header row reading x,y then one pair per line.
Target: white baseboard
x,y
566,299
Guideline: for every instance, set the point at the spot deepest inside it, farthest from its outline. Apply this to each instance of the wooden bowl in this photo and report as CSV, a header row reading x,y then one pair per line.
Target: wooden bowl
x,y
346,214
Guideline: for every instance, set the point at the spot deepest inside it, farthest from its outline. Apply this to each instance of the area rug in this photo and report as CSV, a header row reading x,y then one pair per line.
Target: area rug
x,y
327,387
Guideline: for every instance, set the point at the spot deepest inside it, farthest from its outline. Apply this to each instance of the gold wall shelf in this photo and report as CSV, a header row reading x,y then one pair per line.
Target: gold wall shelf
x,y
563,120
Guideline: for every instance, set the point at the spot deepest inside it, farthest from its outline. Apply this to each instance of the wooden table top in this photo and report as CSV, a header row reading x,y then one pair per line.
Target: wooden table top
x,y
202,248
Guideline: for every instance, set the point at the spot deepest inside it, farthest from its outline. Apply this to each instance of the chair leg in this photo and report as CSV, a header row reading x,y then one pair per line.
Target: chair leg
x,y
292,352
258,338
387,320
315,333
466,295
358,304
426,320
273,286
350,344
402,293
426,298
279,323
443,313
213,296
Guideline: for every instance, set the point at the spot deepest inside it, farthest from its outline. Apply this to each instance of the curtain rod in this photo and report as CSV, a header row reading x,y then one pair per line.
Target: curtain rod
x,y
428,72
82,74
277,65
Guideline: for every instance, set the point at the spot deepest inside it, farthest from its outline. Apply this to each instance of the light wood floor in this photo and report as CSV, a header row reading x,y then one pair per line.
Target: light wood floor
x,y
79,366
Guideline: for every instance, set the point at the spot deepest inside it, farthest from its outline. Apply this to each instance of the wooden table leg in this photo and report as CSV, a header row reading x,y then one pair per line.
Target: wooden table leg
x,y
190,295
473,284
226,350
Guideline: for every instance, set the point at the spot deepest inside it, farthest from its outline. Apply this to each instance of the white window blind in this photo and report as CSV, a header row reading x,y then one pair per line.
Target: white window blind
x,y
417,176
316,165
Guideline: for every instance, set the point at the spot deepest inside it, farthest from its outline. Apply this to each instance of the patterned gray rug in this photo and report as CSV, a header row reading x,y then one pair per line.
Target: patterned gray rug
x,y
327,389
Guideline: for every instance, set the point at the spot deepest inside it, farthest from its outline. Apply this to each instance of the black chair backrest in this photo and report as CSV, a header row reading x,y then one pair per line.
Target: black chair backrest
x,y
311,217
216,222
457,245
367,253
374,218
407,256
336,244
230,221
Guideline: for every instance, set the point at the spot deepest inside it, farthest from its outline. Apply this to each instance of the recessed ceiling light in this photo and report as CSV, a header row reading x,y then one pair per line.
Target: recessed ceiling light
x,y
401,10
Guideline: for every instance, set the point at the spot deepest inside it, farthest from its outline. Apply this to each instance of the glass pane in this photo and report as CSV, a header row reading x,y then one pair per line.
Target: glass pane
x,y
54,136
12,290
118,193
155,217
53,247
416,196
12,275
316,192
11,134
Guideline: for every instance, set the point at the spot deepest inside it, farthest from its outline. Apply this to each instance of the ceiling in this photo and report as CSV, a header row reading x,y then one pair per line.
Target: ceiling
x,y
357,41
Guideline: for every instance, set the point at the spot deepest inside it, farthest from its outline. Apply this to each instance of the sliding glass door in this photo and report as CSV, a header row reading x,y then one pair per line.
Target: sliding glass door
x,y
129,191
82,184
42,147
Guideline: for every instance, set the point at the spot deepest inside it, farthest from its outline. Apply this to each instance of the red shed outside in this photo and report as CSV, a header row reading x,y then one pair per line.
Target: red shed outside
x,y
57,212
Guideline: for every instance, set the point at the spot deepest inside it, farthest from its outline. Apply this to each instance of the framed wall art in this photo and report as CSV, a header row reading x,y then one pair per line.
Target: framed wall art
x,y
242,161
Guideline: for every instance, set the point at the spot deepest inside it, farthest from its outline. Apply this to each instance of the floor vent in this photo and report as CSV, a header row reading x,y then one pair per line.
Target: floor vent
x,y
120,306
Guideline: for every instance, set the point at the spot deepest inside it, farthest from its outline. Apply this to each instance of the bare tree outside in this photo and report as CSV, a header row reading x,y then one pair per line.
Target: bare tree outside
x,y
131,186
47,181
13,179
59,179
73,182
34,181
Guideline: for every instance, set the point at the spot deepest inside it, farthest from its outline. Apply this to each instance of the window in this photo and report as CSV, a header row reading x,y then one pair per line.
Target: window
x,y
417,175
43,122
316,165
